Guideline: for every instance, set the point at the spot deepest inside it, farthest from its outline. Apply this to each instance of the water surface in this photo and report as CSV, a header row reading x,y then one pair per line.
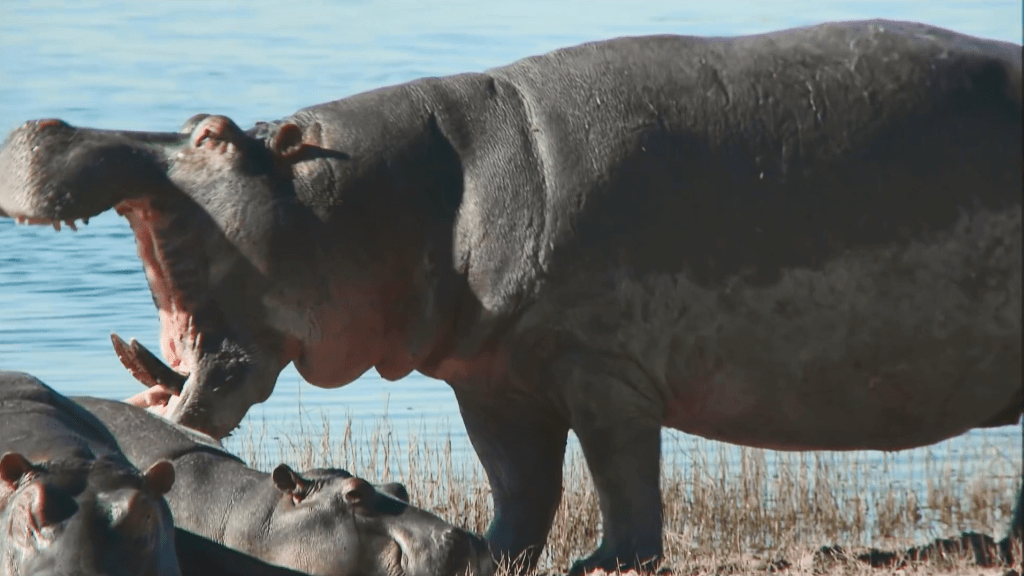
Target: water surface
x,y
152,65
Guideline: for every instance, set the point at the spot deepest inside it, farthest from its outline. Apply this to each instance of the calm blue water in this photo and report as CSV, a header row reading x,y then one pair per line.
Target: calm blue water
x,y
152,65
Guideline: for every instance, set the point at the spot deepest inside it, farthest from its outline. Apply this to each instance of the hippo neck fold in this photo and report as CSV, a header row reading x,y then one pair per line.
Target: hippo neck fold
x,y
404,181
230,511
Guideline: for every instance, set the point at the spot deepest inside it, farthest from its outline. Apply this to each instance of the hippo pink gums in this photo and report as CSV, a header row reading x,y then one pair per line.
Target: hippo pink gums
x,y
808,239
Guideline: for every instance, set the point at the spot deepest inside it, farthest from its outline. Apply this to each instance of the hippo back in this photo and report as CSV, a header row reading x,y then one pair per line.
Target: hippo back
x,y
28,407
146,438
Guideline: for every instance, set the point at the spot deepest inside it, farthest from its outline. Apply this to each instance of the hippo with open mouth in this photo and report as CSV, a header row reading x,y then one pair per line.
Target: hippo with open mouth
x,y
70,503
322,522
807,239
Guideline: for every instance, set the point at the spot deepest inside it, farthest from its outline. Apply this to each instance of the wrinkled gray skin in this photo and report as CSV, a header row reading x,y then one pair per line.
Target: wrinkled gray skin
x,y
809,239
322,522
70,503
200,556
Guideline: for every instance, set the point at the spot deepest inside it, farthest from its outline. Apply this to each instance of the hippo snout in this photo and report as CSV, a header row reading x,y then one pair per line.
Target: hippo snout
x,y
52,172
24,167
481,561
459,552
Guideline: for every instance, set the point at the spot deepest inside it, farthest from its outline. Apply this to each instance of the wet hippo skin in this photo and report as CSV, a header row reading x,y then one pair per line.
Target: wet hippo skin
x,y
808,239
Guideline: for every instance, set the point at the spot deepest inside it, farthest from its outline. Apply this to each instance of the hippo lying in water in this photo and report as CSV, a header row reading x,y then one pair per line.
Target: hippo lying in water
x,y
70,503
322,522
809,239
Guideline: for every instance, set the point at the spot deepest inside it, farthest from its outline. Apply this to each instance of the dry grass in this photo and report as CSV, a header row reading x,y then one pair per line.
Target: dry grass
x,y
727,510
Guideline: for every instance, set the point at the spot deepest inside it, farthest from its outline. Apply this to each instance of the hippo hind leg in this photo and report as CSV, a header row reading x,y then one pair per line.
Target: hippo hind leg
x,y
521,445
1017,523
619,429
1012,547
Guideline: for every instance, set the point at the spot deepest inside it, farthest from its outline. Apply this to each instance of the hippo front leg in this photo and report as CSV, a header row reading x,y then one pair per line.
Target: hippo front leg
x,y
521,445
617,417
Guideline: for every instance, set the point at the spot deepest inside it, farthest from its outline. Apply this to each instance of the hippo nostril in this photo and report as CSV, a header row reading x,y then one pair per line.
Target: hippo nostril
x,y
192,122
48,122
212,130
48,507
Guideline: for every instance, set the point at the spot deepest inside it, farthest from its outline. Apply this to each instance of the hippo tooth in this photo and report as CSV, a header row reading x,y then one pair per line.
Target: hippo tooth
x,y
56,225
145,366
71,224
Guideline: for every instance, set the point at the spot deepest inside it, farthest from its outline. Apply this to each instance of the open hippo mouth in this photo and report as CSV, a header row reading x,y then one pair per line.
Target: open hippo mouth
x,y
167,276
168,254
200,249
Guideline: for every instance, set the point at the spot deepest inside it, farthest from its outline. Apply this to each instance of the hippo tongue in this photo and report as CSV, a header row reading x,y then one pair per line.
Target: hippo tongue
x,y
146,367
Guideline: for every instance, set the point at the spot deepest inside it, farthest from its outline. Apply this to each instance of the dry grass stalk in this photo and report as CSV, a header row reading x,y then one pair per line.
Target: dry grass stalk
x,y
727,510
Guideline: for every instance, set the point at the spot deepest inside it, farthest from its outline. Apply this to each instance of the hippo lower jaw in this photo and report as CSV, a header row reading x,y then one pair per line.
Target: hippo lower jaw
x,y
164,382
175,388
171,280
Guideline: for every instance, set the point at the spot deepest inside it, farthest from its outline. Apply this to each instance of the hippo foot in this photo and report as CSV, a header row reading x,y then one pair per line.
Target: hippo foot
x,y
985,551
611,562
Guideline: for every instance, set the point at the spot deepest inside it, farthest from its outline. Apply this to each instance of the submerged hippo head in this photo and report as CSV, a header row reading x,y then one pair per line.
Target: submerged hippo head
x,y
85,518
329,523
231,228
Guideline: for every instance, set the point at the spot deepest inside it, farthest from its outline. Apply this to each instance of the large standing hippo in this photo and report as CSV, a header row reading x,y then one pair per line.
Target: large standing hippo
x,y
322,522
809,239
70,503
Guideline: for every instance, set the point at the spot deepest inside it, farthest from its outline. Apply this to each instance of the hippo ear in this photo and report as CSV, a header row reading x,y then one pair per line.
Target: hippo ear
x,y
288,141
396,490
356,491
159,478
289,482
13,466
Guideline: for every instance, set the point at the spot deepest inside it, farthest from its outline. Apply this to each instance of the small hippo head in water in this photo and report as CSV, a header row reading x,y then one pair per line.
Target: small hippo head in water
x,y
84,518
360,530
250,259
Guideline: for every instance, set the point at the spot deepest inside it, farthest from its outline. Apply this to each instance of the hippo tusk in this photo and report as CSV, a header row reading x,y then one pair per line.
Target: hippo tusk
x,y
145,366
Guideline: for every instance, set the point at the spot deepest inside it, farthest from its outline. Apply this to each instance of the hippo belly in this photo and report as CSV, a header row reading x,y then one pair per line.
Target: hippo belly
x,y
883,348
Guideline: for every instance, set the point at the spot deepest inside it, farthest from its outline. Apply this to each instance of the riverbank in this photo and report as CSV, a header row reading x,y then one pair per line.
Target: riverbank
x,y
727,510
